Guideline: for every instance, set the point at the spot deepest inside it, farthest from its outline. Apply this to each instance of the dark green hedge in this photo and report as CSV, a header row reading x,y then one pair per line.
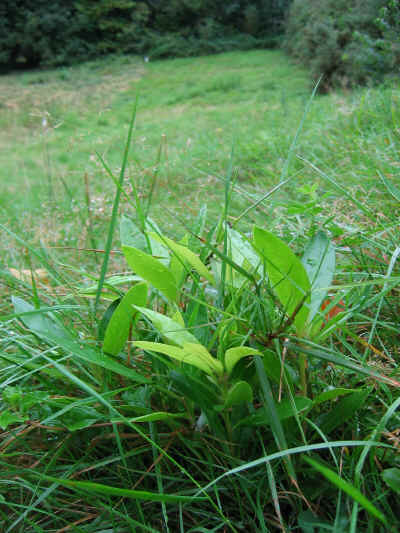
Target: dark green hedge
x,y
348,42
38,32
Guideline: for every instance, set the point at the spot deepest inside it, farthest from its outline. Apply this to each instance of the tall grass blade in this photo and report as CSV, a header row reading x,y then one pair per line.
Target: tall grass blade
x,y
348,488
114,213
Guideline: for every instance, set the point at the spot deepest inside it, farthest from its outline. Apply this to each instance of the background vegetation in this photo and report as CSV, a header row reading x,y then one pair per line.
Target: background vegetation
x,y
346,43
36,33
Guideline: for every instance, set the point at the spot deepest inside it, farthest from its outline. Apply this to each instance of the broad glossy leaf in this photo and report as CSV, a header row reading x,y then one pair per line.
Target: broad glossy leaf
x,y
273,368
151,270
202,353
242,251
286,274
117,330
192,354
90,487
8,418
38,321
172,331
391,476
131,235
347,487
178,318
21,399
186,256
234,355
79,417
178,267
105,320
332,394
319,263
239,393
344,410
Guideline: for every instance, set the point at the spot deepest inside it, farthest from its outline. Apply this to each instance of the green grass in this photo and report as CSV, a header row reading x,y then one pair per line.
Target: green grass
x,y
304,438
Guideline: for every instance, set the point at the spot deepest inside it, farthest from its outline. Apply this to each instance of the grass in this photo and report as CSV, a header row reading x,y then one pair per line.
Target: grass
x,y
304,438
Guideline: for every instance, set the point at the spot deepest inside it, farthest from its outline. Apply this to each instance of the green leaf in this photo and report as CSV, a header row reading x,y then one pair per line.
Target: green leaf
x,y
273,368
105,320
185,255
79,417
117,330
202,353
90,487
151,270
346,487
239,393
284,410
344,410
391,476
192,354
286,274
172,331
319,263
7,418
178,318
233,356
21,399
331,394
158,249
39,321
131,235
242,251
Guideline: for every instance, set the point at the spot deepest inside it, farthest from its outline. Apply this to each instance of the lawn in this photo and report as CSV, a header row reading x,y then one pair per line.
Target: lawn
x,y
200,334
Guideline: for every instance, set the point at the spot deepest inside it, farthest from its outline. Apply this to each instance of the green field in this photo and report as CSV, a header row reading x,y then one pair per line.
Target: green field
x,y
239,159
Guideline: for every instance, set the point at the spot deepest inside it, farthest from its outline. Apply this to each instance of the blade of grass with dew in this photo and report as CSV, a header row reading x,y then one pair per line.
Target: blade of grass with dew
x,y
227,196
292,451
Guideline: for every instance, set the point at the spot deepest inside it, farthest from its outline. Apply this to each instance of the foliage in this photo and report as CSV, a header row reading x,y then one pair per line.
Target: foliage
x,y
36,33
345,44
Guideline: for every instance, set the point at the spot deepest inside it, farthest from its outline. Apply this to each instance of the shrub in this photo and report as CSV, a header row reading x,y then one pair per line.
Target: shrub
x,y
347,45
39,33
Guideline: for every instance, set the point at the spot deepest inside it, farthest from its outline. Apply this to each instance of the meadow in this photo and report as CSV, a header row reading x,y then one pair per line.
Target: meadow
x,y
199,286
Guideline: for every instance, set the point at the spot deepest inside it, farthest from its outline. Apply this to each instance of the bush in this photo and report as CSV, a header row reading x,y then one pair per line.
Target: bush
x,y
39,33
42,34
347,45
